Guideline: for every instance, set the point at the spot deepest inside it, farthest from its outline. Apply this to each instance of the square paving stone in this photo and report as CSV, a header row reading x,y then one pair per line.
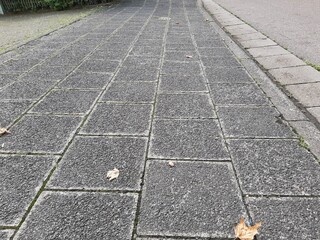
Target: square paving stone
x,y
20,179
119,119
185,56
187,139
279,166
86,80
286,218
7,79
18,65
230,93
129,74
29,89
87,161
180,46
39,134
184,106
66,102
130,92
260,122
10,111
231,75
99,66
5,234
220,62
80,216
150,51
191,199
307,94
46,73
141,62
215,52
181,68
180,83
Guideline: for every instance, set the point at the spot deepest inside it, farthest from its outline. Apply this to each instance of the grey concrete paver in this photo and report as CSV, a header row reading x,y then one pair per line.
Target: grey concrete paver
x,y
184,106
261,122
5,234
40,134
87,161
119,119
281,61
189,199
267,51
228,75
180,83
237,93
6,79
20,179
65,216
307,94
86,80
191,139
302,212
278,166
66,102
11,110
143,92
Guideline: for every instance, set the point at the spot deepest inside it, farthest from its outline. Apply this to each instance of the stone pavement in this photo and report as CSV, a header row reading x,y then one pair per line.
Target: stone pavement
x,y
134,87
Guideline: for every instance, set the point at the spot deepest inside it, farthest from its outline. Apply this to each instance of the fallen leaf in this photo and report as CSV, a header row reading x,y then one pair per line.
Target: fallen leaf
x,y
171,164
3,131
189,56
113,174
244,232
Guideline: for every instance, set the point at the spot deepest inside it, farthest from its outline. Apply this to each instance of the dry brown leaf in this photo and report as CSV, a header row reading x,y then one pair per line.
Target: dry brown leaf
x,y
3,131
244,232
113,174
171,164
189,56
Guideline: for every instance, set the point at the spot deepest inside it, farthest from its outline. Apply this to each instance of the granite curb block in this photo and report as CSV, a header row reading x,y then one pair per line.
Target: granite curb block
x,y
300,80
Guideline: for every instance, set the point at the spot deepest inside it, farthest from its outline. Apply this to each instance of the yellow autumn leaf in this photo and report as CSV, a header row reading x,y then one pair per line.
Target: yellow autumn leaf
x,y
244,232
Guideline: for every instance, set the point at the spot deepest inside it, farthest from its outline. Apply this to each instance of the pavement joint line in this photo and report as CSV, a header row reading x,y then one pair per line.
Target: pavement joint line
x,y
310,116
163,48
68,143
281,196
209,161
147,237
91,190
202,67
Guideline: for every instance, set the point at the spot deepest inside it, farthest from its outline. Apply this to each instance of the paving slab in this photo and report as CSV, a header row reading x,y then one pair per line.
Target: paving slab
x,y
281,167
307,94
185,56
119,119
80,216
220,62
228,75
257,43
187,139
6,79
215,52
267,51
5,234
45,72
86,80
260,122
190,200
180,83
69,101
294,75
237,93
248,36
137,74
143,92
302,212
18,65
40,134
20,179
184,106
87,161
28,90
315,111
181,68
99,66
10,111
280,61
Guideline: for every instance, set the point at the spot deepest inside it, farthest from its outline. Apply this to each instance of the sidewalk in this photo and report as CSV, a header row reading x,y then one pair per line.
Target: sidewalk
x,y
134,87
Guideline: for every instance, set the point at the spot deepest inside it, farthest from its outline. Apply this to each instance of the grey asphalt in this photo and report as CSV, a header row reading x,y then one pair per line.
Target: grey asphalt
x,y
133,87
290,23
